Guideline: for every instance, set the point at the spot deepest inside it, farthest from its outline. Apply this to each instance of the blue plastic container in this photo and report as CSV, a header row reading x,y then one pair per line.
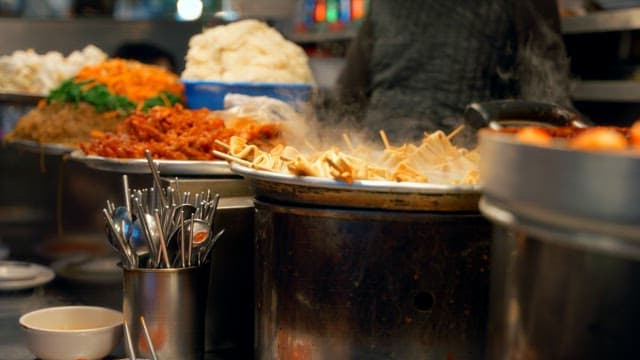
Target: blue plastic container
x,y
210,94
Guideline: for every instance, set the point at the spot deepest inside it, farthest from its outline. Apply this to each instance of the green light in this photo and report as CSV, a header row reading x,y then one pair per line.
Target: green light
x,y
333,11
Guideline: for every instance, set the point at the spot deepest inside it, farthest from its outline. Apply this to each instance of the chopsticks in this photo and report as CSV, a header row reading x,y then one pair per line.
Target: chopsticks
x,y
157,227
130,349
148,339
131,353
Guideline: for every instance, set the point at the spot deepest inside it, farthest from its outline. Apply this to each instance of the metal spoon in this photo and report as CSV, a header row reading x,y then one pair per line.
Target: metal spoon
x,y
199,235
148,239
204,254
120,244
110,231
122,215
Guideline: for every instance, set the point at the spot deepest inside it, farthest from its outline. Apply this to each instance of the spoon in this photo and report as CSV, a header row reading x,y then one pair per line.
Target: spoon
x,y
196,229
120,243
122,215
204,254
116,221
147,238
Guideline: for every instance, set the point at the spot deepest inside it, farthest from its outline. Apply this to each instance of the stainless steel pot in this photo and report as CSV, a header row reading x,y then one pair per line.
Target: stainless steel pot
x,y
370,284
363,282
566,251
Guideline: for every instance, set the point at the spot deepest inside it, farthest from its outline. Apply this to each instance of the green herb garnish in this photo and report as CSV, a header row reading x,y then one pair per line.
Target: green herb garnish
x,y
164,99
99,96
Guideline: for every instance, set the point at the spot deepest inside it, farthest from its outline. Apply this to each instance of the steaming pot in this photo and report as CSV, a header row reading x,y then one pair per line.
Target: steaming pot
x,y
566,251
359,272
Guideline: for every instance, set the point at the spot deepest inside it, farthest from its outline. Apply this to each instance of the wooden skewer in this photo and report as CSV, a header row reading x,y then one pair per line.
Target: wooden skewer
x,y
455,132
223,144
348,141
333,164
385,140
232,158
239,161
310,145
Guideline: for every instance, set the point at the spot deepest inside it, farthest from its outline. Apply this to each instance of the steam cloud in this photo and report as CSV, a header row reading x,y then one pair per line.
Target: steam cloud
x,y
542,66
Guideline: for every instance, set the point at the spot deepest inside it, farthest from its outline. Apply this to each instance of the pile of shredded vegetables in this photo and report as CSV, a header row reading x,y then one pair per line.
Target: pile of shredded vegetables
x,y
63,123
97,99
176,133
132,79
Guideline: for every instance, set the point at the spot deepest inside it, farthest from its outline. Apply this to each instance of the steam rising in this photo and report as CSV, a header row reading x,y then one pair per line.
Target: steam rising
x,y
542,67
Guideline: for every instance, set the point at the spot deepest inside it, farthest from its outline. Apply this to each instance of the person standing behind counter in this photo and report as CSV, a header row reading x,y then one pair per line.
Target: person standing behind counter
x,y
416,64
147,53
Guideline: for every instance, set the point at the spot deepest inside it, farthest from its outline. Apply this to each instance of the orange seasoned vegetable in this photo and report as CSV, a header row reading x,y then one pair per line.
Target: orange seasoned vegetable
x,y
176,133
135,80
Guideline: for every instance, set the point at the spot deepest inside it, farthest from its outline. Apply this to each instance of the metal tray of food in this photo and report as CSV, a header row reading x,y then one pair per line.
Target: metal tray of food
x,y
18,98
586,190
366,194
166,167
40,148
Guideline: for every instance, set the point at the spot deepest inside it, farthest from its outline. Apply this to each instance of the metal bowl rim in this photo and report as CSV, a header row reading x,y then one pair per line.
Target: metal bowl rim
x,y
358,185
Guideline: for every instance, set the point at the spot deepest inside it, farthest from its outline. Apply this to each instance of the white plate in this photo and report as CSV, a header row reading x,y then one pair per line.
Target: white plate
x,y
16,275
141,166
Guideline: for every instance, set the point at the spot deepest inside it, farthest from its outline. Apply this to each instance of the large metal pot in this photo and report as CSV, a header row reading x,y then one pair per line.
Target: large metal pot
x,y
566,251
366,281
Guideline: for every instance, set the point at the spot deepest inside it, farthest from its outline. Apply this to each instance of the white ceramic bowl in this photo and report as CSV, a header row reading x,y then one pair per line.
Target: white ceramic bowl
x,y
72,332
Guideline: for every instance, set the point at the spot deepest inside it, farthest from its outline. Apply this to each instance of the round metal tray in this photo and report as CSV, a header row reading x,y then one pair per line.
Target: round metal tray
x,y
19,98
40,148
366,194
141,166
584,190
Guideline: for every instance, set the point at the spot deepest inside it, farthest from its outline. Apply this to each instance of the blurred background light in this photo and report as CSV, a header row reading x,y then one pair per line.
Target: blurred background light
x,y
187,10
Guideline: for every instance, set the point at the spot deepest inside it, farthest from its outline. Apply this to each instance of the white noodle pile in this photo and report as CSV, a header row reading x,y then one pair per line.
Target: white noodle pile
x,y
247,50
25,71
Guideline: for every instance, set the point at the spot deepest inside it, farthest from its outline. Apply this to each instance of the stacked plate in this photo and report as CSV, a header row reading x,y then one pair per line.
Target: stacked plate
x,y
18,275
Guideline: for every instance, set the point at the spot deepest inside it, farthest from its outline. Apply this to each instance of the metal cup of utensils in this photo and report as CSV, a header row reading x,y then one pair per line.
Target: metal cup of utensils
x,y
173,302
